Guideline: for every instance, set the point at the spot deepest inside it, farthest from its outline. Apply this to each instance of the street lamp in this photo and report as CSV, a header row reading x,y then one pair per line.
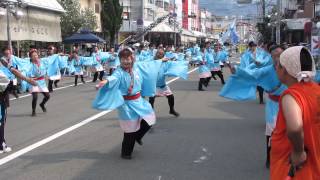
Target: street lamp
x,y
12,7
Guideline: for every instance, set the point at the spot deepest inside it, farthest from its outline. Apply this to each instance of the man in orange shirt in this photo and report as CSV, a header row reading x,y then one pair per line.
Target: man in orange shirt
x,y
296,138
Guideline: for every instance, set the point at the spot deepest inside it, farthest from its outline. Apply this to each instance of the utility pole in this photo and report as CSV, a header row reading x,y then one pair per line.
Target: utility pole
x,y
8,29
278,38
263,9
174,23
142,17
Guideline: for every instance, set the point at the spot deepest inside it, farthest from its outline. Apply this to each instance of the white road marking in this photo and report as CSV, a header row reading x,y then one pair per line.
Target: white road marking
x,y
204,157
59,88
61,133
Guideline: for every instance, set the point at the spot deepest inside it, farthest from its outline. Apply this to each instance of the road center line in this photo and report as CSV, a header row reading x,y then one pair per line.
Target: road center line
x,y
63,132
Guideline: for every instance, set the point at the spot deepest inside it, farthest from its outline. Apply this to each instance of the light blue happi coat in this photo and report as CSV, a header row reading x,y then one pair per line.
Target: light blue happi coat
x,y
317,77
113,60
4,81
144,56
63,62
199,58
53,67
111,95
170,55
38,72
180,57
149,71
172,69
96,62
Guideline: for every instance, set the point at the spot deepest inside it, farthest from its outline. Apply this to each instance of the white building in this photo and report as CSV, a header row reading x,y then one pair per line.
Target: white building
x,y
40,22
96,6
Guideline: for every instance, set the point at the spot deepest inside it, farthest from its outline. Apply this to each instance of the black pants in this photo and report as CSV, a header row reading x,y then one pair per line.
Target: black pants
x,y
46,97
260,90
219,74
129,139
51,82
76,79
3,123
170,101
96,74
111,71
203,82
268,145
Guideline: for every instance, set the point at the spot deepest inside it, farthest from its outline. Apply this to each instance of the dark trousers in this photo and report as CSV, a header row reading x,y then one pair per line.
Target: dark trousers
x,y
268,145
203,82
96,74
46,97
50,84
129,139
170,101
260,90
219,74
3,122
111,71
76,79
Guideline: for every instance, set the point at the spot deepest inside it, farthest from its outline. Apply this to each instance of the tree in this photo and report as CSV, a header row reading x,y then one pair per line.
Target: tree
x,y
111,16
75,19
71,19
89,19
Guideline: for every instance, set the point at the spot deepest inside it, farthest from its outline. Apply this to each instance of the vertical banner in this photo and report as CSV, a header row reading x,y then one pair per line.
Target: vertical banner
x,y
315,45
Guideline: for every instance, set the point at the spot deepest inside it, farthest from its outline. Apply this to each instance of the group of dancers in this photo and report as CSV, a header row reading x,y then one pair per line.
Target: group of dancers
x,y
260,67
139,72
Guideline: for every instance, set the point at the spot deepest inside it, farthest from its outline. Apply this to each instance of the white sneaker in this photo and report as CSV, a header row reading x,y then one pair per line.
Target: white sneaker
x,y
5,148
1,152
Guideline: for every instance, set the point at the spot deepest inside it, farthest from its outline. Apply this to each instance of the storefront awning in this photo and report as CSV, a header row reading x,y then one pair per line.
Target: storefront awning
x,y
35,25
296,24
162,27
51,5
199,34
187,32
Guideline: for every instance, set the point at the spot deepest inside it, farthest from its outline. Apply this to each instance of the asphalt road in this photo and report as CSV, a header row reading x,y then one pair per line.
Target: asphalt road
x,y
213,139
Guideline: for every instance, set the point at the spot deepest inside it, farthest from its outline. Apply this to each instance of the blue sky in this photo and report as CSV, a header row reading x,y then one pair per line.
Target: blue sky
x,y
228,7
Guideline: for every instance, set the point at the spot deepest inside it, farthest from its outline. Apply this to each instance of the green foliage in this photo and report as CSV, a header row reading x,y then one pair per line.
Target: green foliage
x,y
111,17
89,19
75,19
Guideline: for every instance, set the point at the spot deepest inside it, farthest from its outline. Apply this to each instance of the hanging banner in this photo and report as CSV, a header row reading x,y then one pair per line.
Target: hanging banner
x,y
315,45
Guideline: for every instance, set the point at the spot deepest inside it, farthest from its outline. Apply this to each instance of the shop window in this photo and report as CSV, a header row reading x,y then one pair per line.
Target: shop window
x,y
97,8
166,6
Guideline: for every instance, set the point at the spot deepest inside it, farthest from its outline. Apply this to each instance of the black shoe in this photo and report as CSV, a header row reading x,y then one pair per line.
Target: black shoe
x,y
139,141
33,114
16,95
128,157
173,112
267,164
83,82
43,108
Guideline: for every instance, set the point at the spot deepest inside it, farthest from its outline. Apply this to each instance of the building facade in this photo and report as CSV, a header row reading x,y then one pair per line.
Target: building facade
x,y
96,6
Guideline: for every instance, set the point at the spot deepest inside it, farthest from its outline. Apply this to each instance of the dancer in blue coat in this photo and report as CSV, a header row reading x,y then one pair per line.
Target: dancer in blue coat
x,y
7,71
12,61
163,90
97,66
38,73
123,90
53,79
